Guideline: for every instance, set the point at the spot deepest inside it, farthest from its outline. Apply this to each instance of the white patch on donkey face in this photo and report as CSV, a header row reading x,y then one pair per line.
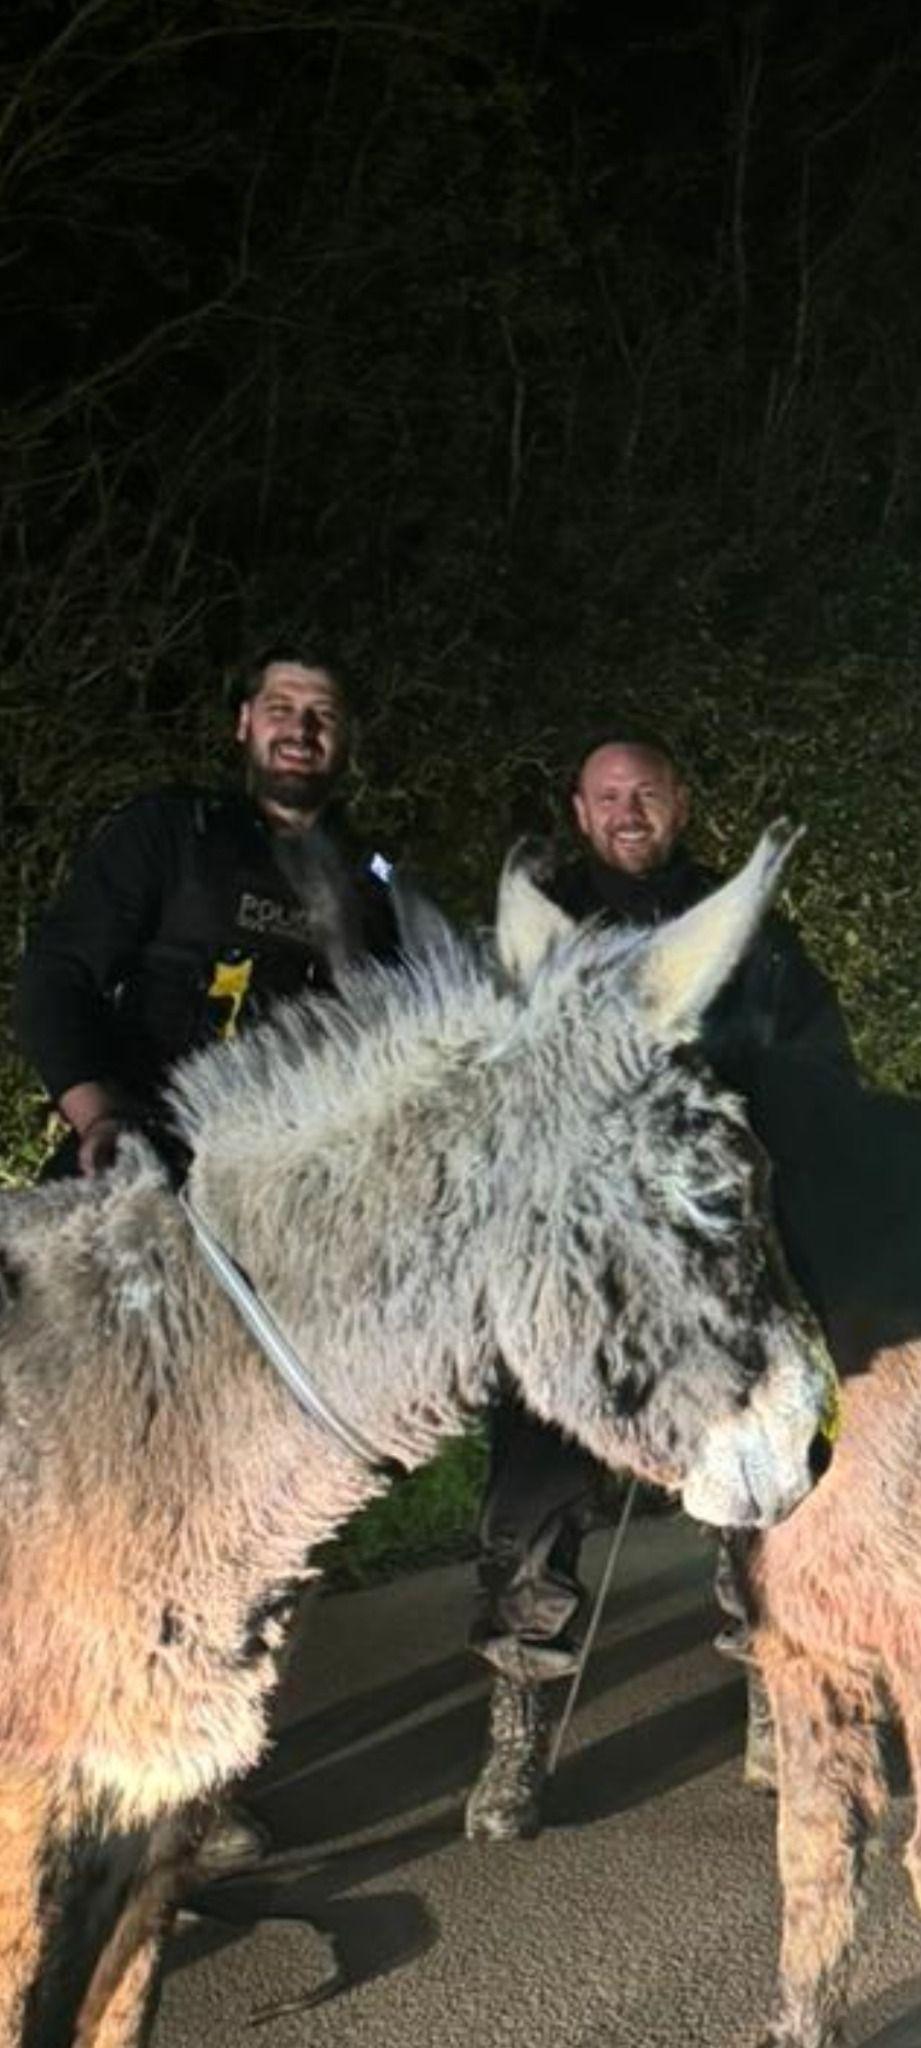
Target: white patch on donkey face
x,y
756,1468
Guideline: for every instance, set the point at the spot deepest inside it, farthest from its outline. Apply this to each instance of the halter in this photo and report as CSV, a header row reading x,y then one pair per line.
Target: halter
x,y
264,1327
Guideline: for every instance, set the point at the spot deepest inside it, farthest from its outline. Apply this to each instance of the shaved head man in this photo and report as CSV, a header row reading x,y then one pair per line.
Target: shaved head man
x,y
631,805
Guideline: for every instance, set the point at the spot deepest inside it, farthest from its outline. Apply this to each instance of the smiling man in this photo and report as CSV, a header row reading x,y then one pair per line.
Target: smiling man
x,y
293,724
192,909
630,807
188,913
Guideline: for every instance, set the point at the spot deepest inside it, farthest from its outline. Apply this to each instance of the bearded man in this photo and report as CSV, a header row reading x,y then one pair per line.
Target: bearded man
x,y
191,910
188,913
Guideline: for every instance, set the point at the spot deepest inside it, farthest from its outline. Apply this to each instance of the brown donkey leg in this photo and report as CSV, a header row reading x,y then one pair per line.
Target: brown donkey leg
x,y
907,1693
120,2005
831,1790
126,2019
24,1815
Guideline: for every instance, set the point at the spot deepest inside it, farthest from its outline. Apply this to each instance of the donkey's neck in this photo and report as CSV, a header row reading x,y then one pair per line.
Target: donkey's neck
x,y
403,1369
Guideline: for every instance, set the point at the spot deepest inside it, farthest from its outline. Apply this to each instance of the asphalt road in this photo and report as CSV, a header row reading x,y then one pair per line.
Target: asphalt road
x,y
644,1916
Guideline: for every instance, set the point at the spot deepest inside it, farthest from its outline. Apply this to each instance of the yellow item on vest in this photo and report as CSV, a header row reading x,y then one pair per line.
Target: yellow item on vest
x,y
229,984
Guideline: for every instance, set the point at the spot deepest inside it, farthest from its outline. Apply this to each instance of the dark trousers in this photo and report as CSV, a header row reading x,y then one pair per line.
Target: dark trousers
x,y
539,1491
538,1500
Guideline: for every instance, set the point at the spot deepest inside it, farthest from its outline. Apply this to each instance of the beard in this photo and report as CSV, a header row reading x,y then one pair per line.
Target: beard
x,y
324,884
293,792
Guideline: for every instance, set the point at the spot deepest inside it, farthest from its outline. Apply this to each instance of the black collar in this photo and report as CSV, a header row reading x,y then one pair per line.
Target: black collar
x,y
588,886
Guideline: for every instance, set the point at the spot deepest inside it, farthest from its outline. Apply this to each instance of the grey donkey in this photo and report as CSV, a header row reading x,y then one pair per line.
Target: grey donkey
x,y
446,1166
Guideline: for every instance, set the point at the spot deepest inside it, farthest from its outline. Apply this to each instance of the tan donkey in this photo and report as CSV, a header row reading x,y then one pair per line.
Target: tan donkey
x,y
837,1589
466,1159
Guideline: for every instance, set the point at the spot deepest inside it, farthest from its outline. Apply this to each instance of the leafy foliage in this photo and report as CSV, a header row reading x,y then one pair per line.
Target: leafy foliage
x,y
430,1514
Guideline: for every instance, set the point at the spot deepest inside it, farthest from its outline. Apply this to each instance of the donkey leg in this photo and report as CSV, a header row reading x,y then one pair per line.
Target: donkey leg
x,y
120,2005
831,1790
906,1688
131,2010
25,1805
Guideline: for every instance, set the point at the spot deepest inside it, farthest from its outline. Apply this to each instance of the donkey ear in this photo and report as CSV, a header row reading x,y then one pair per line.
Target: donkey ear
x,y
528,925
686,963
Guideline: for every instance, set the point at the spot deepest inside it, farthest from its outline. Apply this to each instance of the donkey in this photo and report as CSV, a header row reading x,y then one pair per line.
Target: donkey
x,y
448,1166
836,1592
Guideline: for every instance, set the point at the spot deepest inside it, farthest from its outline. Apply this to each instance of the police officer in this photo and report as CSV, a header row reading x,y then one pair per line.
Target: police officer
x,y
187,914
631,805
191,910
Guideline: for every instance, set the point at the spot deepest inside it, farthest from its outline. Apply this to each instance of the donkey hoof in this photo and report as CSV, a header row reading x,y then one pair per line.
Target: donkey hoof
x,y
760,1775
784,2035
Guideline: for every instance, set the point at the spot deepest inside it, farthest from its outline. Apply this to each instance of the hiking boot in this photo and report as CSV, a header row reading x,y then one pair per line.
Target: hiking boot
x,y
232,1841
760,1768
504,1804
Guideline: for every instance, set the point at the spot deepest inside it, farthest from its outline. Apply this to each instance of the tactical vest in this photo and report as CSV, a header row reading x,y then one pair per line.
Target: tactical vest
x,y
232,937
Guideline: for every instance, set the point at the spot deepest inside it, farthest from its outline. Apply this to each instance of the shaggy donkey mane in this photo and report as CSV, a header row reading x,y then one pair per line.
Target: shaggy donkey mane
x,y
394,1033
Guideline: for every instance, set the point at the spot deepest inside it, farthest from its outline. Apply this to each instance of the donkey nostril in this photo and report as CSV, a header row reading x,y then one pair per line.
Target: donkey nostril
x,y
819,1455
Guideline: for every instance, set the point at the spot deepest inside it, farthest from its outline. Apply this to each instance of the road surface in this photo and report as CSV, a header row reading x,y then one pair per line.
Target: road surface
x,y
644,1916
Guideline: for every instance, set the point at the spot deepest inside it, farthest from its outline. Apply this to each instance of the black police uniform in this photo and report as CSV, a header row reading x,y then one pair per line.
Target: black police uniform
x,y
178,924
541,1489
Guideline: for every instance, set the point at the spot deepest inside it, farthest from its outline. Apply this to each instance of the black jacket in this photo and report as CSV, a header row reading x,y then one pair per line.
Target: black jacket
x,y
123,975
846,1158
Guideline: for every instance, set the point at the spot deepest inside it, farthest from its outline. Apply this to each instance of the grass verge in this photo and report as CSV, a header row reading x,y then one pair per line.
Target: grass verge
x,y
426,1517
